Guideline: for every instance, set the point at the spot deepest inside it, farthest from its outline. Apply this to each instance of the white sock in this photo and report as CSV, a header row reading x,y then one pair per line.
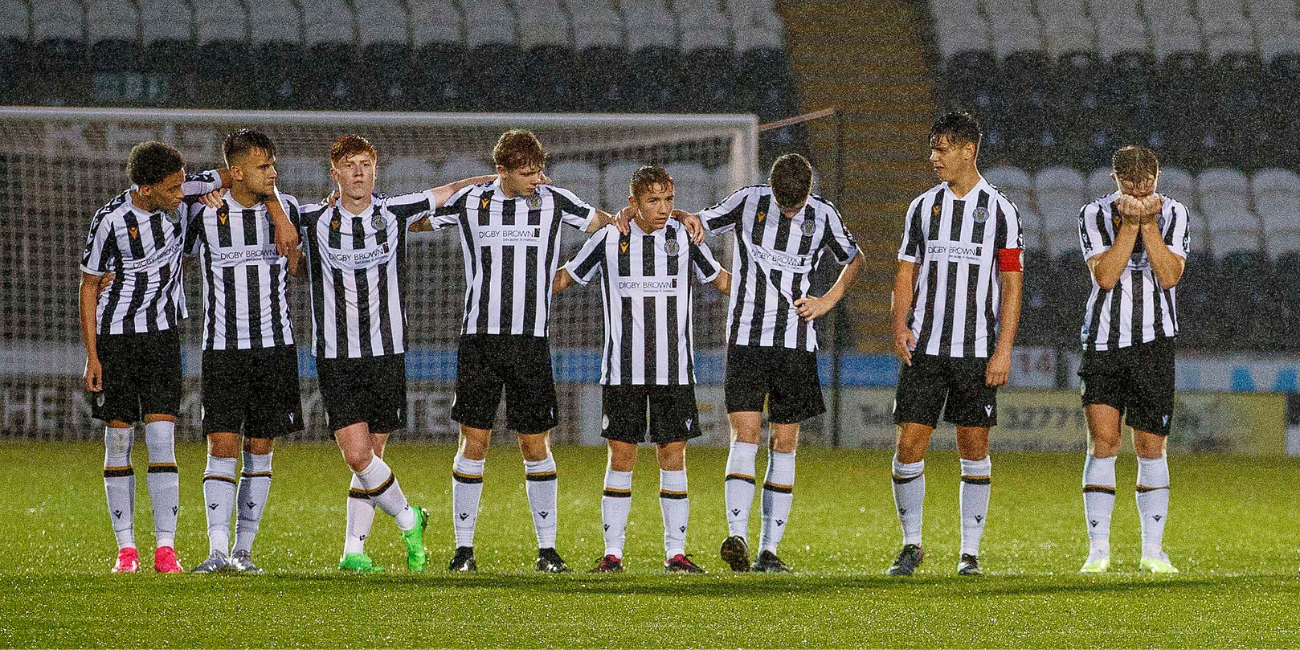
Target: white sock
x,y
219,494
1098,500
164,483
254,488
382,487
1153,502
739,486
676,508
542,497
614,508
119,484
361,516
909,495
974,496
466,492
778,495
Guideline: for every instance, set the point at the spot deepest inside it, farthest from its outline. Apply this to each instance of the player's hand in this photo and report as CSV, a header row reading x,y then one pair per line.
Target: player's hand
x,y
693,225
212,199
813,307
904,344
546,180
286,241
998,369
1130,209
105,281
623,220
422,225
331,199
94,376
1152,204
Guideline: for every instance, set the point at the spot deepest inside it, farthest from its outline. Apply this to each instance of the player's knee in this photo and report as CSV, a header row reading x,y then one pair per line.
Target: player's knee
x,y
259,446
223,445
1103,444
1148,445
535,446
622,456
672,456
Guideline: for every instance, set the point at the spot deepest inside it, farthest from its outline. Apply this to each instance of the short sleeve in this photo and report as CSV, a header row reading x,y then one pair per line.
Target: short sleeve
x,y
411,207
838,238
586,263
706,266
913,246
101,248
573,210
449,213
1091,239
193,227
725,215
200,184
1012,237
1178,236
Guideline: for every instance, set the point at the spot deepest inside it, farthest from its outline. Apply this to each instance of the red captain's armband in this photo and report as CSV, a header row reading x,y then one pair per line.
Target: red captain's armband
x,y
1011,260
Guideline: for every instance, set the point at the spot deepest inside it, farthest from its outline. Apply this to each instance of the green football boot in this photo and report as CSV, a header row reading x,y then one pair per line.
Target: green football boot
x,y
1157,564
358,563
416,555
1098,562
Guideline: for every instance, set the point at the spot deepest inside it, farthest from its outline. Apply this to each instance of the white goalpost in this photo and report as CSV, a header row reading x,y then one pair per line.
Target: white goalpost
x,y
59,165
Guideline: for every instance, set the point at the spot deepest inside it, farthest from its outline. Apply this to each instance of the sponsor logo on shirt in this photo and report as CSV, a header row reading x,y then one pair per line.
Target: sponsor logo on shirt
x,y
160,257
358,259
508,235
241,255
648,286
780,260
955,251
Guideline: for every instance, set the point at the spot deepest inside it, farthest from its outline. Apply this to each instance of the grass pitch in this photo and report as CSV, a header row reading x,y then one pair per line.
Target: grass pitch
x,y
1234,532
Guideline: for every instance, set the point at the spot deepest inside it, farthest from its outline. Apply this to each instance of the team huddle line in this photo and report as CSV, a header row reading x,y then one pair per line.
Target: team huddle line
x,y
956,306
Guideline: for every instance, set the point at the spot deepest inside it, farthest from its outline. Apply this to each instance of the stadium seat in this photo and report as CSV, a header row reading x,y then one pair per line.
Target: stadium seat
x,y
275,29
1031,227
456,169
1226,28
1013,182
1121,30
959,33
1178,185
1277,27
601,58
1067,29
583,179
406,174
708,63
1101,184
544,37
166,33
1223,191
1242,318
1234,232
652,48
221,27
494,60
1019,32
116,54
15,32
329,38
440,74
382,31
692,185
1277,202
305,177
615,181
59,53
1059,192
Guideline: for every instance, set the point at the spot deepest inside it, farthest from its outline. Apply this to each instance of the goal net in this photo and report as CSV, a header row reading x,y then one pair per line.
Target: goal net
x,y
58,166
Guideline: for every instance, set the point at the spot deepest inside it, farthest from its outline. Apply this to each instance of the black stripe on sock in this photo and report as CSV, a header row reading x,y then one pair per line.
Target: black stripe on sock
x,y
618,494
783,489
1099,488
665,494
162,468
1143,488
976,481
214,477
901,481
392,478
354,493
545,476
465,478
740,477
256,475
118,472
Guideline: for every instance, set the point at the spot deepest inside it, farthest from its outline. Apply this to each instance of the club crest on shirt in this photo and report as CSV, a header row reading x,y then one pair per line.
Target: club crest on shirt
x,y
378,222
534,201
135,232
671,247
172,216
981,214
808,228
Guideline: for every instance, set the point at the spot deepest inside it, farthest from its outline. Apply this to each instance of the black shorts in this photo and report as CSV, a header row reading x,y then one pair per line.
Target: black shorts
x,y
673,414
142,376
1138,379
487,363
253,392
786,379
370,390
957,387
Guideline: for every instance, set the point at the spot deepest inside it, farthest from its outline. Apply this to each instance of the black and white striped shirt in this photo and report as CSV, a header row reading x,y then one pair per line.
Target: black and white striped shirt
x,y
773,264
645,282
1136,310
357,264
954,241
143,251
245,304
512,250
